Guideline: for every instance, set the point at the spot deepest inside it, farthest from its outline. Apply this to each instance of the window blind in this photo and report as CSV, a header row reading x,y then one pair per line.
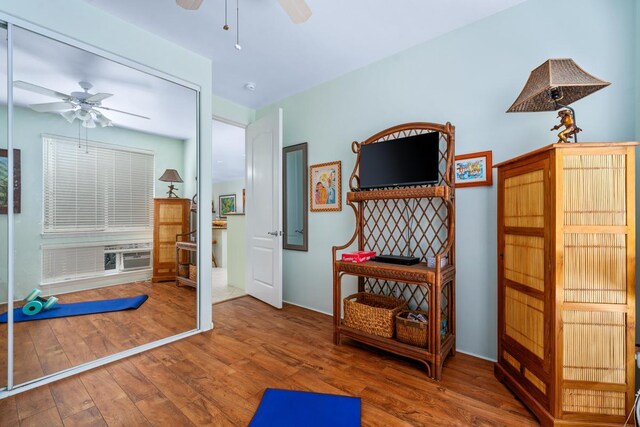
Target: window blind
x,y
96,187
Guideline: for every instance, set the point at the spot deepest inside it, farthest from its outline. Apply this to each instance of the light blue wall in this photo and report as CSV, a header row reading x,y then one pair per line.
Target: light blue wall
x,y
80,20
468,77
232,112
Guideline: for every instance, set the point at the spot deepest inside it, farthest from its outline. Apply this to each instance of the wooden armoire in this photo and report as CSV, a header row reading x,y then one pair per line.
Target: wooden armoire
x,y
566,281
170,217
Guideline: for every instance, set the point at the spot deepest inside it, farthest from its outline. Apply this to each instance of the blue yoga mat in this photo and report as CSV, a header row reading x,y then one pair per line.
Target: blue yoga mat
x,y
78,309
285,408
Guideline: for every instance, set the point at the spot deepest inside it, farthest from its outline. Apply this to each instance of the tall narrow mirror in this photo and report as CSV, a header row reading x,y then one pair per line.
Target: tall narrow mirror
x,y
295,197
101,146
4,190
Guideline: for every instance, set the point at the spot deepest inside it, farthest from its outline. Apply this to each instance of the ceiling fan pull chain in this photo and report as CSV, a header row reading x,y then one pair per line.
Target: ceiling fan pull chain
x,y
226,14
79,134
238,25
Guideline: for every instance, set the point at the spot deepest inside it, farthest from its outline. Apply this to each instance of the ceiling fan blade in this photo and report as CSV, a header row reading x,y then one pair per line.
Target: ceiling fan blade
x,y
39,89
124,112
98,97
52,107
298,10
189,4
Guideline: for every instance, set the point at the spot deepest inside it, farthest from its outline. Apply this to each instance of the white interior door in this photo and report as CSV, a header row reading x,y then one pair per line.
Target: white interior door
x,y
264,208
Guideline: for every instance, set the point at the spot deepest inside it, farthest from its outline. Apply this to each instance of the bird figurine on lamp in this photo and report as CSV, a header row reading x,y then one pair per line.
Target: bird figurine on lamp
x,y
554,85
171,176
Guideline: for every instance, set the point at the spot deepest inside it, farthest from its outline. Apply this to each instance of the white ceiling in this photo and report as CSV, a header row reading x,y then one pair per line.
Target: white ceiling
x,y
54,65
228,152
283,58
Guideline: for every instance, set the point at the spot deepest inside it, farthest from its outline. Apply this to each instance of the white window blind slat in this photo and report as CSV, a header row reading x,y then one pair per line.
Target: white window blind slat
x,y
96,188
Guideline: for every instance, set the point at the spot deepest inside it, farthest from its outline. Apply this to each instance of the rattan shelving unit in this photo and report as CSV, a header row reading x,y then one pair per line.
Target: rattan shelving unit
x,y
416,221
566,281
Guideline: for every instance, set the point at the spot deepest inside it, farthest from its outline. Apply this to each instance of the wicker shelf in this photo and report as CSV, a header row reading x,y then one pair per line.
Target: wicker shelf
x,y
399,193
417,273
388,224
184,281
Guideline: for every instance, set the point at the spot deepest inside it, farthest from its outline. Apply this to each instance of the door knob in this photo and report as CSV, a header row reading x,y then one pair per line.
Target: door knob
x,y
272,233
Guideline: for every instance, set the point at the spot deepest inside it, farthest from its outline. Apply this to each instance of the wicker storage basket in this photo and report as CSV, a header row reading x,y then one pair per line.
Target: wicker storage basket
x,y
371,313
193,272
411,331
183,270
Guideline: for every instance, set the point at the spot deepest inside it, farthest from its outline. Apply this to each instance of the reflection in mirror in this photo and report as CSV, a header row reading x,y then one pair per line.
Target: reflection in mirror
x,y
4,274
95,136
295,197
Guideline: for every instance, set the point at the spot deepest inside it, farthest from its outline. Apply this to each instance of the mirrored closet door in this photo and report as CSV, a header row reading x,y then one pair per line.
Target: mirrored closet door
x,y
4,195
100,145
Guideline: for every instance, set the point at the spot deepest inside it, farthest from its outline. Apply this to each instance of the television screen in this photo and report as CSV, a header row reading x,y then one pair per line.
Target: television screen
x,y
412,160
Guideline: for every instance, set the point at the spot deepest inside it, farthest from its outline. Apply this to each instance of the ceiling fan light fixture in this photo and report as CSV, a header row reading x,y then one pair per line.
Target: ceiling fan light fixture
x,y
69,115
89,123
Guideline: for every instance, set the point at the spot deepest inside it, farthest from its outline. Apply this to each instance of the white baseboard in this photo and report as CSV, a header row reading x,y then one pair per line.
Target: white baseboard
x,y
89,283
308,308
476,355
469,353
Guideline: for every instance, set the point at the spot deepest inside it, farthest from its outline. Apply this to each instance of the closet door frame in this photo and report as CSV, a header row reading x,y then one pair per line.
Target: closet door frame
x,y
204,309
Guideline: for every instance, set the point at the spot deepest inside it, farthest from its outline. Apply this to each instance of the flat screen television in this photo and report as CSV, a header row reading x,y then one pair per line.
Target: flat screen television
x,y
412,160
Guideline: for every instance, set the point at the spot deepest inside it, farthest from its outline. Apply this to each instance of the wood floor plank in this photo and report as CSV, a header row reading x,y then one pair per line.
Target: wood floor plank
x,y
121,412
34,402
201,412
133,382
49,418
219,377
161,411
70,396
88,418
9,411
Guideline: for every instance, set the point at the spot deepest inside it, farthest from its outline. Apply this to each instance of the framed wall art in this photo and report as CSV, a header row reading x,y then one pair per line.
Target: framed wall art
x,y
473,170
4,181
325,190
226,204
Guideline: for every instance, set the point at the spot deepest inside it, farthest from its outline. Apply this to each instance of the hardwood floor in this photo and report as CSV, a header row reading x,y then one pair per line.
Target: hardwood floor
x,y
218,377
47,346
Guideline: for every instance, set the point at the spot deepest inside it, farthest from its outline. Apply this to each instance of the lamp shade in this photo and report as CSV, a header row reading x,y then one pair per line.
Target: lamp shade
x,y
564,75
170,175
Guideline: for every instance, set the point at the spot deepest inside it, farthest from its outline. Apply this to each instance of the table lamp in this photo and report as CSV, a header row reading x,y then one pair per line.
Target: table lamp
x,y
554,85
171,176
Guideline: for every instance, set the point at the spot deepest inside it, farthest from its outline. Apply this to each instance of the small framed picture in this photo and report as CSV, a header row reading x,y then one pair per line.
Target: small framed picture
x,y
325,189
474,170
4,181
226,204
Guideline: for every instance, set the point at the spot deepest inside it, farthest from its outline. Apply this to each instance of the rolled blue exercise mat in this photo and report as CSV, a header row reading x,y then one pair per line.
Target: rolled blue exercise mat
x,y
79,309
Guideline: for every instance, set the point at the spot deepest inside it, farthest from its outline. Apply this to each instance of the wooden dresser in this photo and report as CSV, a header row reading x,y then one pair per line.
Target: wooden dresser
x,y
566,281
170,217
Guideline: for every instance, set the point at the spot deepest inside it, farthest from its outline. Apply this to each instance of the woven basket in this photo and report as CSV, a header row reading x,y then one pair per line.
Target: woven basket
x,y
371,313
183,270
411,331
193,272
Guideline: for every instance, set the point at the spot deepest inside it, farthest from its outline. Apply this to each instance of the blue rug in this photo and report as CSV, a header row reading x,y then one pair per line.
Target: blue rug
x,y
78,309
285,408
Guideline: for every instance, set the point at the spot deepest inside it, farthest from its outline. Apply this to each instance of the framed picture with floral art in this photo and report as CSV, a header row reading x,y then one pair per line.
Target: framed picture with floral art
x,y
473,170
226,205
325,189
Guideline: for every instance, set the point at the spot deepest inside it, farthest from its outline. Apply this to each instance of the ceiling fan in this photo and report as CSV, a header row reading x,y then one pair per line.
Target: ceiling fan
x,y
83,106
298,10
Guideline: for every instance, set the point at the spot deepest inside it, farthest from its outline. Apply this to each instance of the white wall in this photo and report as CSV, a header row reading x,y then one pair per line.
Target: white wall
x,y
468,77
